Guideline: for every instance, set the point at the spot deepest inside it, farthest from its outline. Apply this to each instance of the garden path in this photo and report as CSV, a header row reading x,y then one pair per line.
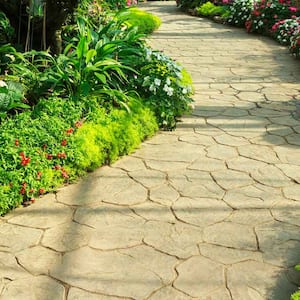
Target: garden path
x,y
208,211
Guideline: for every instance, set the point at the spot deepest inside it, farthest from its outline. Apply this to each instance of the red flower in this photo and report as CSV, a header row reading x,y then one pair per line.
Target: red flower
x,y
24,160
49,156
23,189
248,25
293,9
17,142
256,13
57,167
39,174
69,131
78,124
64,142
32,200
64,173
62,155
41,191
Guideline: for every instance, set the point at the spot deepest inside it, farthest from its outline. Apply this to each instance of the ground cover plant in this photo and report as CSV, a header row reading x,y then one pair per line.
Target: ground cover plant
x,y
209,9
145,22
86,106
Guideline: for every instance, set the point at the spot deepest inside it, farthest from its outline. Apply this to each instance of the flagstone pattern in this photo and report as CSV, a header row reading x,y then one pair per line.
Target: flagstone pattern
x,y
208,211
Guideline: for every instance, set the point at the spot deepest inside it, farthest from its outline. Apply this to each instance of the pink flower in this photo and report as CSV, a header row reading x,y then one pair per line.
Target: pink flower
x,y
128,2
293,8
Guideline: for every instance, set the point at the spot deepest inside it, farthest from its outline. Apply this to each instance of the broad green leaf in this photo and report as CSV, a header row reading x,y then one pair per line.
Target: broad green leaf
x,y
101,77
91,53
82,47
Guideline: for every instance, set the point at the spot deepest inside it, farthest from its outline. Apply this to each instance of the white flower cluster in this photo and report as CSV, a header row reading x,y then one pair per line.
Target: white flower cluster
x,y
286,29
169,84
240,11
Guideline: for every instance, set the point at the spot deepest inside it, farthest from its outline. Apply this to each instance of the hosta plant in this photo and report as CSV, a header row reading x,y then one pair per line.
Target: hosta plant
x,y
11,97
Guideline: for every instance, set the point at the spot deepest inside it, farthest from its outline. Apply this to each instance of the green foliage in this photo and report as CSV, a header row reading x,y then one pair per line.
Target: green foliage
x,y
211,10
165,87
11,97
89,105
57,148
190,4
144,21
6,30
295,296
88,66
7,55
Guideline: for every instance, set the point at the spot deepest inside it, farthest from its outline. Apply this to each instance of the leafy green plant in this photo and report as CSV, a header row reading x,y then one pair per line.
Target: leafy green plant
x,y
144,21
165,87
211,10
296,295
6,30
64,141
11,97
190,4
88,65
7,56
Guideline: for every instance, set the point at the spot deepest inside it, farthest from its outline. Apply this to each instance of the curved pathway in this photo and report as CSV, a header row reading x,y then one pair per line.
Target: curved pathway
x,y
209,211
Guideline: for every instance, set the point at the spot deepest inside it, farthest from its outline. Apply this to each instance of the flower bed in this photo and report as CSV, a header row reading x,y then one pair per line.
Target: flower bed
x,y
276,18
64,115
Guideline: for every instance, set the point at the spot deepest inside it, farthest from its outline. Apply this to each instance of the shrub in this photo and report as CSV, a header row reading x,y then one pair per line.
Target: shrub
x,y
284,30
239,12
190,4
210,10
57,148
295,296
6,30
295,44
144,21
88,65
164,86
266,13
11,97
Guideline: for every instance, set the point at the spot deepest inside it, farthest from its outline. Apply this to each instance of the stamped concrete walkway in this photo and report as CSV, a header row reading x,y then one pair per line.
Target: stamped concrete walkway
x,y
210,211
